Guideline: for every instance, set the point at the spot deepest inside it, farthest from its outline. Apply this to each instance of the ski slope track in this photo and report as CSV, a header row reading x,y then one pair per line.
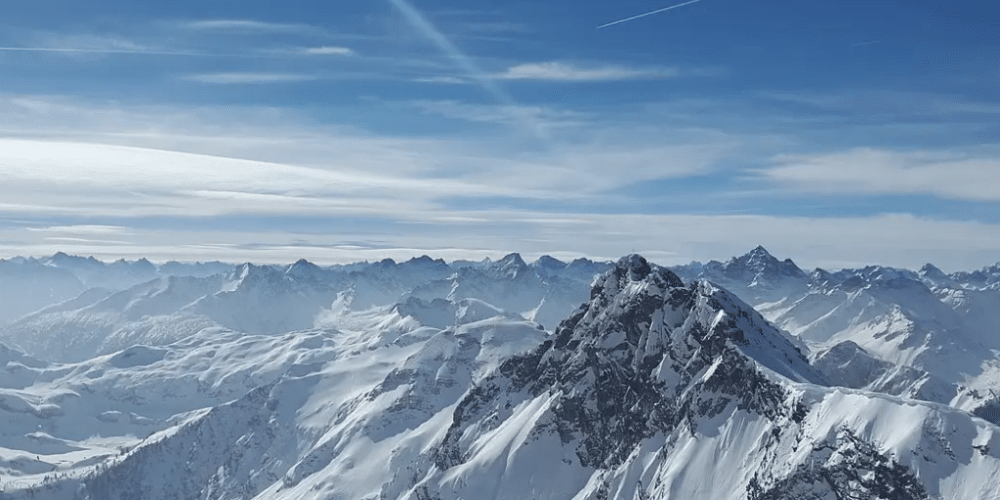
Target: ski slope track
x,y
394,381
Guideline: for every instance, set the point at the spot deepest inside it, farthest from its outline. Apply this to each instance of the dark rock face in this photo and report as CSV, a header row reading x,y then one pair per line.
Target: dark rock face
x,y
644,356
848,468
648,355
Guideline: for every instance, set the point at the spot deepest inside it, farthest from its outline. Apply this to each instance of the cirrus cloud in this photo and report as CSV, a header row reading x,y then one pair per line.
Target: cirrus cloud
x,y
329,51
567,72
948,175
248,78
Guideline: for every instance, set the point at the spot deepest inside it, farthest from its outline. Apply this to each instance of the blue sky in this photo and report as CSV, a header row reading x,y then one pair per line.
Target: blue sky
x,y
836,133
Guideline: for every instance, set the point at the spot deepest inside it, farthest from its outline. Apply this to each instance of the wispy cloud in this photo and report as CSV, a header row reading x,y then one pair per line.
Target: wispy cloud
x,y
322,168
898,104
894,239
568,72
442,79
426,28
548,117
203,168
248,26
329,51
948,175
91,44
73,50
248,78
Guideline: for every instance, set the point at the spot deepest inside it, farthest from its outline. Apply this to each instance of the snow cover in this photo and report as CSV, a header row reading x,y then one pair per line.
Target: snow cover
x,y
421,380
924,335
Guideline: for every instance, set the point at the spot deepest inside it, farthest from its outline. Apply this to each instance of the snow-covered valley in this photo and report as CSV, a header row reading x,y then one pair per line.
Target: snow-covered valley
x,y
749,379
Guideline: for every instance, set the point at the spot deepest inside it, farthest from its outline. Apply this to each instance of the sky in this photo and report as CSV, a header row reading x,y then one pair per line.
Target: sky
x,y
837,133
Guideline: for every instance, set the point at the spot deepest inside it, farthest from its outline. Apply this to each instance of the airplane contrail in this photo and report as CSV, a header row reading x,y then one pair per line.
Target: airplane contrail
x,y
485,80
647,14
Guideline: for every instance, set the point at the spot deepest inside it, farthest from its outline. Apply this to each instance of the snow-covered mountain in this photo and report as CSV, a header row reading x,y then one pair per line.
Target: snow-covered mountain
x,y
27,285
653,388
924,335
546,291
97,274
268,299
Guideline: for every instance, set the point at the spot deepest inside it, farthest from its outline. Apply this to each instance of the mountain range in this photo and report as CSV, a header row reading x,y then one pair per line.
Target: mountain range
x,y
748,379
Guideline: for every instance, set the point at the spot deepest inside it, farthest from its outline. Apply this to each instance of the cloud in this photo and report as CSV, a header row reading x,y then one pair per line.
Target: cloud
x,y
831,243
88,41
103,180
419,22
444,80
82,229
248,26
329,51
92,44
103,159
547,117
567,72
947,175
248,78
298,188
893,105
82,51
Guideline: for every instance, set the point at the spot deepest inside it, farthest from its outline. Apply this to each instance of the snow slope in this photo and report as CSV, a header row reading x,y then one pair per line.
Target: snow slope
x,y
27,285
924,335
651,389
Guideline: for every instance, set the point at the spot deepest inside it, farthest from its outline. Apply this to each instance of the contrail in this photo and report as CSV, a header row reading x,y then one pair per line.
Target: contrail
x,y
647,14
426,28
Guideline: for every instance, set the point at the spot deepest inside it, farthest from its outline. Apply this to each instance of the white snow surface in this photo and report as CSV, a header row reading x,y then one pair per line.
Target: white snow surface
x,y
935,337
309,383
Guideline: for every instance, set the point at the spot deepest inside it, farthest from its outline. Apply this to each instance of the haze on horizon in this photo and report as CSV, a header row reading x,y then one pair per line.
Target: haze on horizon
x,y
836,134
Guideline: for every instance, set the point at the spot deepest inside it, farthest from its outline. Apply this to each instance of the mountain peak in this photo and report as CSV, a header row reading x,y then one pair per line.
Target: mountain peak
x,y
634,272
932,271
302,267
636,267
549,262
760,251
423,259
759,263
513,259
427,263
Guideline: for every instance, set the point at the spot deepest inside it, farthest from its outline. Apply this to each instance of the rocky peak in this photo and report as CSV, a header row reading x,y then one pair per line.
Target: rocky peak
x,y
633,273
511,261
759,252
550,263
384,264
821,276
511,266
645,355
931,271
758,264
304,269
426,263
253,276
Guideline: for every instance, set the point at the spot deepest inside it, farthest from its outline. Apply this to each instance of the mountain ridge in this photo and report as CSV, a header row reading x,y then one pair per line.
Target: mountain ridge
x,y
652,386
